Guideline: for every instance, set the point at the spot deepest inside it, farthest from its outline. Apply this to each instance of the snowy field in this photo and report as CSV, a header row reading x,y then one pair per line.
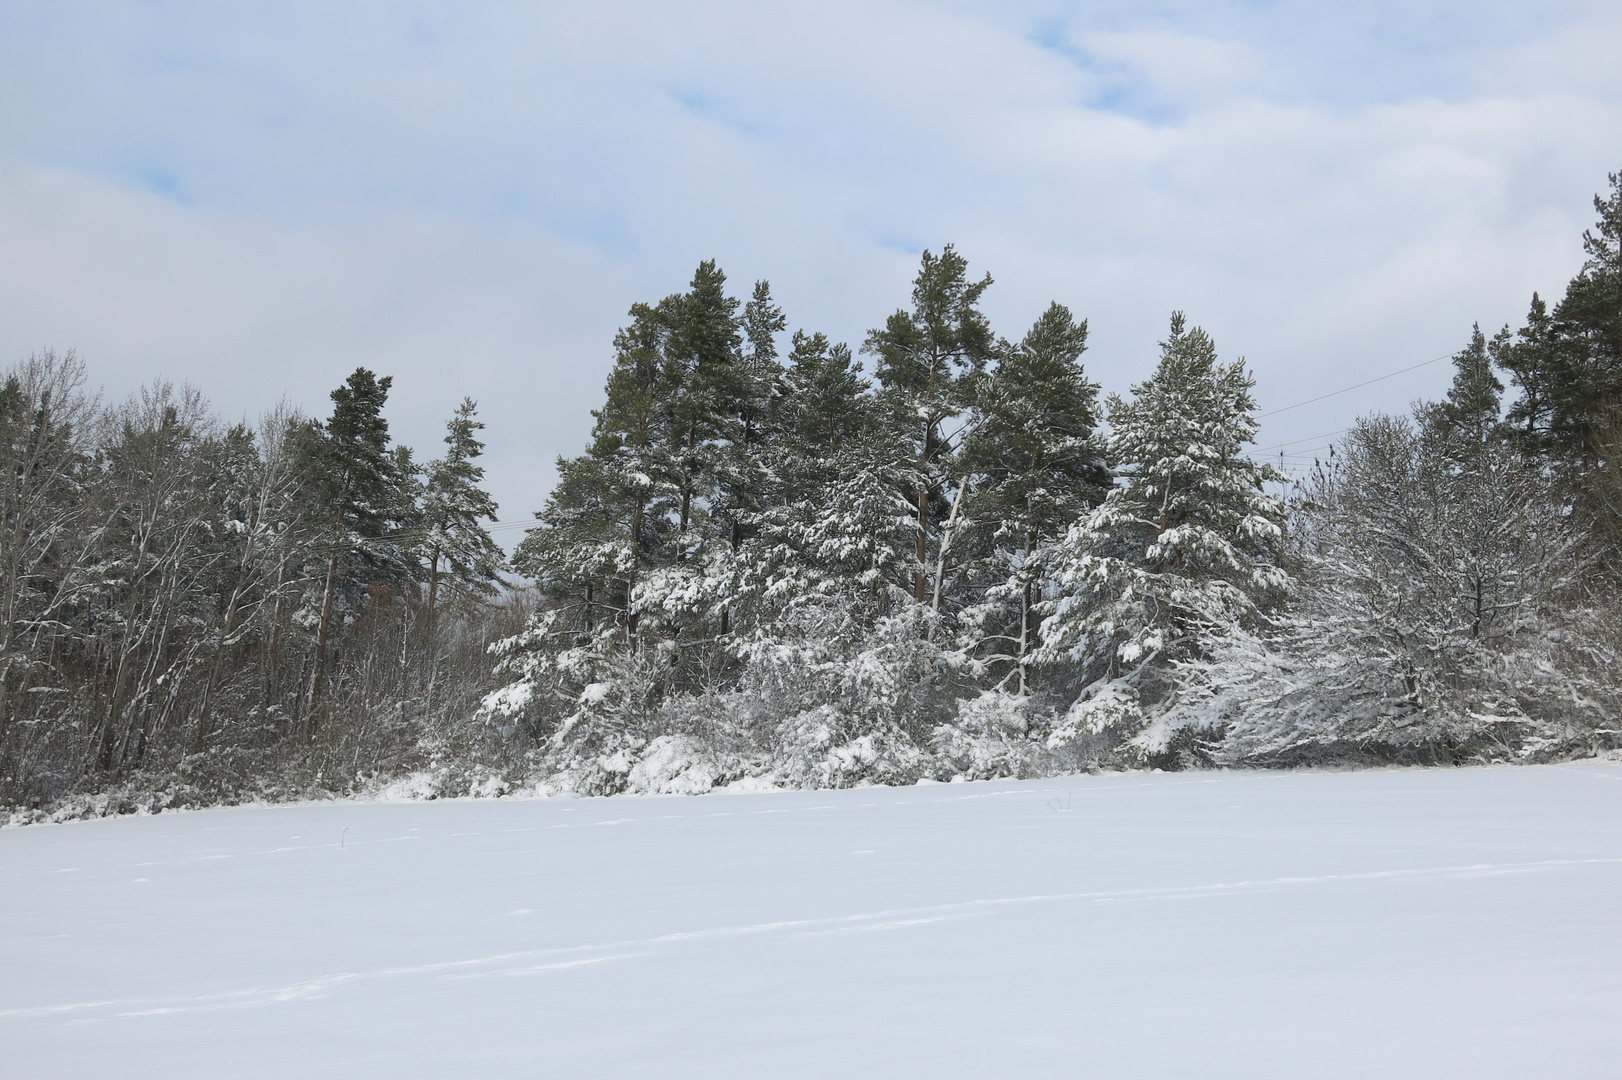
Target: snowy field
x,y
1419,923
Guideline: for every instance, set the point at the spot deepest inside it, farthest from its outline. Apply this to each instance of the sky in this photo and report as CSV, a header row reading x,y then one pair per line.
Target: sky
x,y
256,198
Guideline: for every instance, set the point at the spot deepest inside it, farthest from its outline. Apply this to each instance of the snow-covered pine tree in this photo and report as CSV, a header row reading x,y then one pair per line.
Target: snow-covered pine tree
x,y
761,382
605,524
1034,466
462,558
717,397
1181,552
634,549
928,362
837,675
704,359
743,476
840,517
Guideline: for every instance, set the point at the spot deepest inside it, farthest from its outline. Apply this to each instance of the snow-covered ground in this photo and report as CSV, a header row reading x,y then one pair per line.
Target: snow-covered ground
x,y
1410,923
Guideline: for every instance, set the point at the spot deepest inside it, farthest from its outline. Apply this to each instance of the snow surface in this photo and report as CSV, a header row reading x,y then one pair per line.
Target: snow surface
x,y
1406,923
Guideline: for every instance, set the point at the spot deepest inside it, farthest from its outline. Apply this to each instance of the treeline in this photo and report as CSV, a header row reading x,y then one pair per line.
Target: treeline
x,y
775,564
195,611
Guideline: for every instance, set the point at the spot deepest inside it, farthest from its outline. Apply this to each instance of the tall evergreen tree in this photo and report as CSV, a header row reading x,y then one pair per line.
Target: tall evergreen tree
x,y
606,522
459,550
826,406
1472,410
628,546
840,517
706,367
743,479
1533,359
928,362
362,489
1036,466
1568,363
1591,311
762,321
1181,550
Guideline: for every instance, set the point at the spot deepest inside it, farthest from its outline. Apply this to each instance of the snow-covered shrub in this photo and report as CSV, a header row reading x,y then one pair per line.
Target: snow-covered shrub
x,y
587,744
990,737
1439,615
836,700
684,765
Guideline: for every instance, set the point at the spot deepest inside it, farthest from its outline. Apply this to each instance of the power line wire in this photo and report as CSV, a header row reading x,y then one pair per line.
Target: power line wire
x,y
1359,386
1279,447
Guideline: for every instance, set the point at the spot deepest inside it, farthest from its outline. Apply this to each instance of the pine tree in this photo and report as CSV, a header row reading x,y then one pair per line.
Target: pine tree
x,y
361,483
741,469
1182,550
825,405
704,355
1035,467
452,507
762,321
630,549
605,520
928,362
840,520
1568,363
1590,318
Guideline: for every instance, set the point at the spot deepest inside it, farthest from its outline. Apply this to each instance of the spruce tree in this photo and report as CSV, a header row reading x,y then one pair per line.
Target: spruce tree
x,y
1532,360
1472,411
1182,550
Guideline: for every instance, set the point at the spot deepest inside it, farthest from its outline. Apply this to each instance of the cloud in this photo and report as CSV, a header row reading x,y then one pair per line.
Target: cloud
x,y
260,197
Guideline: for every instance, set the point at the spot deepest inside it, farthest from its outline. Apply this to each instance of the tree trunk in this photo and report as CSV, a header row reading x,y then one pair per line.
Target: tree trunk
x,y
1025,610
920,580
321,640
636,561
946,543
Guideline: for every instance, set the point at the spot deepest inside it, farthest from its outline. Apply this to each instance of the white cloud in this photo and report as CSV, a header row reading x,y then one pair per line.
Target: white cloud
x,y
260,197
